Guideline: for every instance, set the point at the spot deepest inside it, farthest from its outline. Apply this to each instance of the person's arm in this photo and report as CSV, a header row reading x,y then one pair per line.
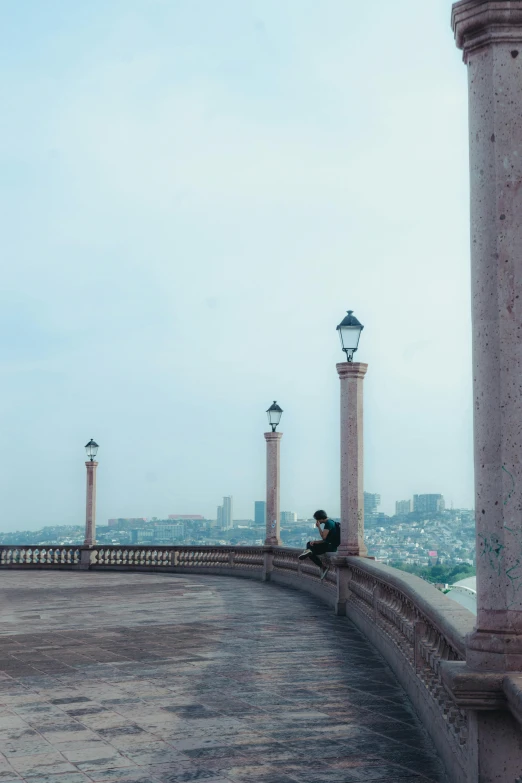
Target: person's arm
x,y
322,533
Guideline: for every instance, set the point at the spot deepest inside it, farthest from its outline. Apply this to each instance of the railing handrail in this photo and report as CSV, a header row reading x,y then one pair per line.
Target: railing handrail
x,y
261,549
452,620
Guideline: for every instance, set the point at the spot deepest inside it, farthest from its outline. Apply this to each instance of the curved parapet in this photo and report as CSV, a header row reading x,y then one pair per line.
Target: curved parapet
x,y
415,627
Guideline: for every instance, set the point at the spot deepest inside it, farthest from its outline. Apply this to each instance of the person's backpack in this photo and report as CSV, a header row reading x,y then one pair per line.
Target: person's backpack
x,y
334,536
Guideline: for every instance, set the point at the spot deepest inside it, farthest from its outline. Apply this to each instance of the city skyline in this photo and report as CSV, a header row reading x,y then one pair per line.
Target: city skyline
x,y
165,280
300,514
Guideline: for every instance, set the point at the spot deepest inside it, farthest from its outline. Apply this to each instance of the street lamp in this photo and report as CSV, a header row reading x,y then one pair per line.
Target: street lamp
x,y
92,449
273,441
351,375
90,514
350,332
274,414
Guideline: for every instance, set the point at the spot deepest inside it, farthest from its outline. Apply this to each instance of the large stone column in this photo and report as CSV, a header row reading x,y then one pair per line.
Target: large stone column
x,y
490,34
90,516
352,375
273,440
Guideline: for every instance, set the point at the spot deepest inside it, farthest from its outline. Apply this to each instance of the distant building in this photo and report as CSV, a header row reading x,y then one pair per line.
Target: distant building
x,y
185,517
288,517
428,504
371,504
227,513
124,523
402,507
260,512
142,536
168,533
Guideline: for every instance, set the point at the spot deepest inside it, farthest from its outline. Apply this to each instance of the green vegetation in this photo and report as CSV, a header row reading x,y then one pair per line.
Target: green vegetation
x,y
437,574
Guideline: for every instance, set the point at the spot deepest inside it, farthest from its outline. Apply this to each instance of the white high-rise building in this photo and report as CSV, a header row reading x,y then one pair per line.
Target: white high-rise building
x,y
227,518
288,517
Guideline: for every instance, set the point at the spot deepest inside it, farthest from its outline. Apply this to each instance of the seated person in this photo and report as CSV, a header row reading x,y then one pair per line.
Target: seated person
x,y
330,540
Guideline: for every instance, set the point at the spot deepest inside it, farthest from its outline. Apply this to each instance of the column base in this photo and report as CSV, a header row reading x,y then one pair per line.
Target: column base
x,y
85,558
274,541
471,689
494,651
491,700
360,551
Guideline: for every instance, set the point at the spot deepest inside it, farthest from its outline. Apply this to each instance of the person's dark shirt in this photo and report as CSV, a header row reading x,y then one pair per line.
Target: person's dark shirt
x,y
329,525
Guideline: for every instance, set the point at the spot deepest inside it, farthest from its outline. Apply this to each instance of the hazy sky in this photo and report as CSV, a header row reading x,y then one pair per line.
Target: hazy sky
x,y
192,194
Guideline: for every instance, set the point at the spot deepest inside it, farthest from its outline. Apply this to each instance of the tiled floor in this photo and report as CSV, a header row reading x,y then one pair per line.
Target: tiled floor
x,y
162,679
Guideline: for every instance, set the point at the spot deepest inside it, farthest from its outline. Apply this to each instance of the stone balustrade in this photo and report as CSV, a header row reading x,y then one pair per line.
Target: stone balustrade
x,y
39,556
413,625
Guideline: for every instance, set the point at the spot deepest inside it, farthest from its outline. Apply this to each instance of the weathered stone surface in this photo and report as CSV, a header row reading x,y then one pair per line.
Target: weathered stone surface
x,y
480,23
273,481
90,512
490,32
351,375
158,678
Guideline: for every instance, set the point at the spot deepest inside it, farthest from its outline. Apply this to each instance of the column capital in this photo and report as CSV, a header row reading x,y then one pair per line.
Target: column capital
x,y
273,435
479,23
91,464
351,370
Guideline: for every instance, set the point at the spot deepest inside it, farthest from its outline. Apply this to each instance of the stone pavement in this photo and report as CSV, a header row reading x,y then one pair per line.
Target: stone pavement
x,y
156,678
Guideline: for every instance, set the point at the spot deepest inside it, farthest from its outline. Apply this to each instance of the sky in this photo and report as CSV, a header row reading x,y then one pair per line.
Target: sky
x,y
192,194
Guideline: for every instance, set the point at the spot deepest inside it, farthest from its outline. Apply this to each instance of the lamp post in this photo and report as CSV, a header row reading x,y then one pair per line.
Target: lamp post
x,y
273,440
351,375
90,517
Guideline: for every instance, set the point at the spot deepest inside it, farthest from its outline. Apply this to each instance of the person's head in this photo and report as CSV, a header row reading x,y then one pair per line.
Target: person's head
x,y
320,516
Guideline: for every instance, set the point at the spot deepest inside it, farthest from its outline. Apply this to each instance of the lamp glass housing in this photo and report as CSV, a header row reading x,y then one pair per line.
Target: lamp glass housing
x,y
350,333
92,449
274,414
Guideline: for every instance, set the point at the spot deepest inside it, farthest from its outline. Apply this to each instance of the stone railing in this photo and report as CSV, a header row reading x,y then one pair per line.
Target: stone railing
x,y
287,568
413,625
203,557
39,556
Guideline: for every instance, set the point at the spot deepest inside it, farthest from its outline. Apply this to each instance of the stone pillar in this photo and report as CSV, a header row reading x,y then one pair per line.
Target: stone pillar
x,y
90,516
490,34
352,375
273,440
343,585
85,558
268,565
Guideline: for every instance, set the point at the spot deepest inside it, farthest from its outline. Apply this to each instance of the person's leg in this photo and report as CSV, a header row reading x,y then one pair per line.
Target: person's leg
x,y
318,549
326,564
306,553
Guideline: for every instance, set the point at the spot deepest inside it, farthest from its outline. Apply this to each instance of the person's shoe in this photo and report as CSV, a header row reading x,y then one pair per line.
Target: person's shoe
x,y
324,571
304,554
